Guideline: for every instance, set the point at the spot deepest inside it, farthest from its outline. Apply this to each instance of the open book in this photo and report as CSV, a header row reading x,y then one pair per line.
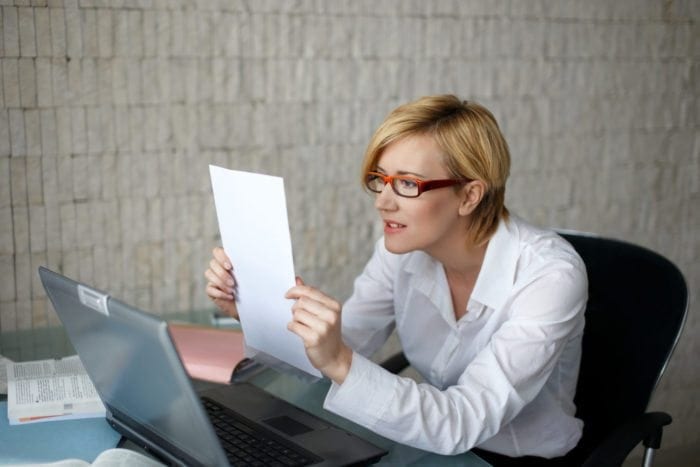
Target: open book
x,y
50,389
115,457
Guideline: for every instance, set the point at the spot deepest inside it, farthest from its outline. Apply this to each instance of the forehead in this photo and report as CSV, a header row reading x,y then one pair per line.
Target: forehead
x,y
417,154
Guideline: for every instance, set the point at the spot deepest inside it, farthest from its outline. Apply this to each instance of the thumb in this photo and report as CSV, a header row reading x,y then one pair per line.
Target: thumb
x,y
299,281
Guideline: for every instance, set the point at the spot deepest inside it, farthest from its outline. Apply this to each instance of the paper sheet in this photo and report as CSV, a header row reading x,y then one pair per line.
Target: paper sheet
x,y
252,213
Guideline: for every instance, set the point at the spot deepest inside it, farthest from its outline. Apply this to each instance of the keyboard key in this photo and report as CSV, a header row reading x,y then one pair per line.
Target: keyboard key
x,y
246,445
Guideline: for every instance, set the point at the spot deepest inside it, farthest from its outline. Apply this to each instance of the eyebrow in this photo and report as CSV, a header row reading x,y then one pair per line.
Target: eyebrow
x,y
403,172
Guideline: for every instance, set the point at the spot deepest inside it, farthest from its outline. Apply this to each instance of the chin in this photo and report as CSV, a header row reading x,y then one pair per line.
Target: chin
x,y
396,247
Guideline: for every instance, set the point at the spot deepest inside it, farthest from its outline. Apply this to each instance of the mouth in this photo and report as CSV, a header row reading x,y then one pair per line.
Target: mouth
x,y
391,225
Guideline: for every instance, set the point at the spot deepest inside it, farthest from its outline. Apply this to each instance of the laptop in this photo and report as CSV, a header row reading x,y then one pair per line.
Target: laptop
x,y
150,400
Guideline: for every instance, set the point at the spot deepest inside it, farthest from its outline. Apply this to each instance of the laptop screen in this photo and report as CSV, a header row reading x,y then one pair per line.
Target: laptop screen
x,y
135,369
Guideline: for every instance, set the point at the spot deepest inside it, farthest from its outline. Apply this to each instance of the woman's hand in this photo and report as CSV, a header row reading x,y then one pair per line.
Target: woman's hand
x,y
221,287
316,319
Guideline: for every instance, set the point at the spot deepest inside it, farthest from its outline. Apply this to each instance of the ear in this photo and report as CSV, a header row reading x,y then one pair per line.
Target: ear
x,y
472,193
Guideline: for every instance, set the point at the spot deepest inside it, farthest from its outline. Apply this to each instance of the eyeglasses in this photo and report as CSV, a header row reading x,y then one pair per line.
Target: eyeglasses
x,y
406,186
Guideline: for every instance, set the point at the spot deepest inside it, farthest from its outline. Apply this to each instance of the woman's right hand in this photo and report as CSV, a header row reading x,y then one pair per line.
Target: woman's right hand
x,y
221,287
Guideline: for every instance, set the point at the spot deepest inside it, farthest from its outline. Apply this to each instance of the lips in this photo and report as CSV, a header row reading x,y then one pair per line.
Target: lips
x,y
392,227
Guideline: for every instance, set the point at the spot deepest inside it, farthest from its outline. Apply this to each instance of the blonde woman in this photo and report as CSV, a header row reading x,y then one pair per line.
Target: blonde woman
x,y
488,308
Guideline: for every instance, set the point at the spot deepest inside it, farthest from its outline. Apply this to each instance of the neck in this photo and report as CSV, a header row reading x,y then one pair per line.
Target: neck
x,y
466,262
460,258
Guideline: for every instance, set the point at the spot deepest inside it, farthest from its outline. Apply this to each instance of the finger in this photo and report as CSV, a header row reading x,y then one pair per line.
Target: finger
x,y
312,328
226,275
299,280
300,291
216,293
222,258
224,283
321,320
309,337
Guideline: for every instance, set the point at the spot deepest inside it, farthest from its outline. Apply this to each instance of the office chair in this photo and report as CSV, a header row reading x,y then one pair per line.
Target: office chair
x,y
635,313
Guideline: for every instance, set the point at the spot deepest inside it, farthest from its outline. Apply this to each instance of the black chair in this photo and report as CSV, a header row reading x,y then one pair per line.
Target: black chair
x,y
636,310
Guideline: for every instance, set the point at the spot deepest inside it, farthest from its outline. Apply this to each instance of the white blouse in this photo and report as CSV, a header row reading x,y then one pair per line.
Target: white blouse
x,y
501,378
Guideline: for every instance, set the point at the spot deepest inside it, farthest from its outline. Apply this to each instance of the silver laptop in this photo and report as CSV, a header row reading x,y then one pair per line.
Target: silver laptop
x,y
136,370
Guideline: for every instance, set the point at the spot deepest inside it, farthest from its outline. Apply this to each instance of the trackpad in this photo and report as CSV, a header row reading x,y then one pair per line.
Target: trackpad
x,y
287,425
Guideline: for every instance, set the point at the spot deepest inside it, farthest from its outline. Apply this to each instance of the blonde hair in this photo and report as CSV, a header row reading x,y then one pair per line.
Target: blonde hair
x,y
473,144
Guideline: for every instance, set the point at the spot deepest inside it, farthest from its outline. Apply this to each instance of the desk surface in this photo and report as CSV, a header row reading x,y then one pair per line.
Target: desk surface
x,y
46,343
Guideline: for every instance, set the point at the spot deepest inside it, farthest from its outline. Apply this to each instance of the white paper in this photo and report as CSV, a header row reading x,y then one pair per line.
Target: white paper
x,y
252,213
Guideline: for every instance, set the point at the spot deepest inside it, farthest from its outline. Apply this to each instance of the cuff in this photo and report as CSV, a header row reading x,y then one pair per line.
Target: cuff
x,y
364,395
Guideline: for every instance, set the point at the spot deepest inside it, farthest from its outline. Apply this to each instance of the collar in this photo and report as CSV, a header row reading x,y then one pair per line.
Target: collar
x,y
497,274
495,279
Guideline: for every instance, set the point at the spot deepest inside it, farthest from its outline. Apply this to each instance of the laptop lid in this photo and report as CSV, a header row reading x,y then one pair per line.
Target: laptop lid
x,y
149,397
136,371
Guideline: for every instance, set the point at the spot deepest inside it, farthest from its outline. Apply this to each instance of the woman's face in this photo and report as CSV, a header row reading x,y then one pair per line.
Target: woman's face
x,y
430,222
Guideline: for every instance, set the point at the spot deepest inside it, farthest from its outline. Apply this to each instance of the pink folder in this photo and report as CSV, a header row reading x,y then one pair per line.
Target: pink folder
x,y
208,353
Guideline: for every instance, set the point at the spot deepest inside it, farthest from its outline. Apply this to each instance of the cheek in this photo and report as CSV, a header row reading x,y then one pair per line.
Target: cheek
x,y
435,215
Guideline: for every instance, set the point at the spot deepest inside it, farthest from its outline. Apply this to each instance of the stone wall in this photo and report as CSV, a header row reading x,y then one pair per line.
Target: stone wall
x,y
111,111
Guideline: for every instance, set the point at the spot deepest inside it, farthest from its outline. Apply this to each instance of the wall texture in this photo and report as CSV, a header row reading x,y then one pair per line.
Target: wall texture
x,y
110,112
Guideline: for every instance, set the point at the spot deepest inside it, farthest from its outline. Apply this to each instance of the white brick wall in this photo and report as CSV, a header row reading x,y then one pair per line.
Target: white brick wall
x,y
109,116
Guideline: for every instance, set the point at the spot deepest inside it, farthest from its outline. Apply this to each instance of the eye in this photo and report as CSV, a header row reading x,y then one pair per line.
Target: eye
x,y
408,183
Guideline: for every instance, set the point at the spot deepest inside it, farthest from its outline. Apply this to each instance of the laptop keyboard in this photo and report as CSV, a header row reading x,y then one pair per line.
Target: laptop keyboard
x,y
249,445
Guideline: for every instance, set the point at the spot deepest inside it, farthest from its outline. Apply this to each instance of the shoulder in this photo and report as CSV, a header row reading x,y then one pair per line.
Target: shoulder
x,y
530,243
549,278
537,252
545,255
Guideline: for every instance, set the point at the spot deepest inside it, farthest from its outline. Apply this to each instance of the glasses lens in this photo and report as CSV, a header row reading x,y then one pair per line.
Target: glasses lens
x,y
374,183
405,187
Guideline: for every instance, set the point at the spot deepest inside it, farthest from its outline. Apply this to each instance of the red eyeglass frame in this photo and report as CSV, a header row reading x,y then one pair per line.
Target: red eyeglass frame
x,y
423,185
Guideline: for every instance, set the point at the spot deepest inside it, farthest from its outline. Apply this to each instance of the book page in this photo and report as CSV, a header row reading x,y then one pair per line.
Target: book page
x,y
252,213
50,389
116,457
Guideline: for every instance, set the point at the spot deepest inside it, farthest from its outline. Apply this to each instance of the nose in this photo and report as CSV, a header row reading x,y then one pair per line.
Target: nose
x,y
386,200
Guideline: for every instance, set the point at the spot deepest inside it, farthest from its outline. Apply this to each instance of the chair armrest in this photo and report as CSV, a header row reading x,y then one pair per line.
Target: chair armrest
x,y
395,363
646,428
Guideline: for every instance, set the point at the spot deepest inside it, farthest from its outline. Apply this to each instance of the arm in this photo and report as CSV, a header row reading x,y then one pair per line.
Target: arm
x,y
503,378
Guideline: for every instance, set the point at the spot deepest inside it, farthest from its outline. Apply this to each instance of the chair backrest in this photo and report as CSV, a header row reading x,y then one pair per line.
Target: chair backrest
x,y
636,310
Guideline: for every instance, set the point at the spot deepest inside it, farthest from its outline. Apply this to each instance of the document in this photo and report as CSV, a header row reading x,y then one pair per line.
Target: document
x,y
252,213
50,389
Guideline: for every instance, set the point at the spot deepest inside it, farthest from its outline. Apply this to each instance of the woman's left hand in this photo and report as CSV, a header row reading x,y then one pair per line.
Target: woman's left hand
x,y
316,319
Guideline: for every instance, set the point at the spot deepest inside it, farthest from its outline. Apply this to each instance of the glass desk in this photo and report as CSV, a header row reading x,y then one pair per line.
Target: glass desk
x,y
52,342
310,396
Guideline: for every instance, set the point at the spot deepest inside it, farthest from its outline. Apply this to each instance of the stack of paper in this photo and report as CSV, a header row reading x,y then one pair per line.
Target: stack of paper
x,y
50,390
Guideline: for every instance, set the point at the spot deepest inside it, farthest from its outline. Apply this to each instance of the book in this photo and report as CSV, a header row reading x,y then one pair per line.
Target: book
x,y
83,438
115,457
209,354
50,389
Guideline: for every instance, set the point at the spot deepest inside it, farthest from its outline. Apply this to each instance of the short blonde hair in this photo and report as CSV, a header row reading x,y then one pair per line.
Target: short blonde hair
x,y
473,144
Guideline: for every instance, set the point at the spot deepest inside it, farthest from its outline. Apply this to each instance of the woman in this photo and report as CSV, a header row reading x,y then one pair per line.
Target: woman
x,y
488,308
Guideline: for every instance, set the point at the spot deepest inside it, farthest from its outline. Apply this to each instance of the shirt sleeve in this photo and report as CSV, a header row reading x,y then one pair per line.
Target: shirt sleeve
x,y
368,315
502,379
